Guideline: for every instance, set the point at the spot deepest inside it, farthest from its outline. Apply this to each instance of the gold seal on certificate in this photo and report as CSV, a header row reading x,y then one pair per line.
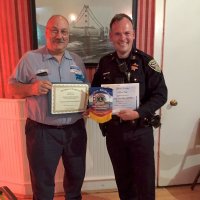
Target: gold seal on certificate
x,y
68,98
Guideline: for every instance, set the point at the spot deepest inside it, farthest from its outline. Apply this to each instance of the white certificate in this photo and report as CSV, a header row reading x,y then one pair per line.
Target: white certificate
x,y
125,96
68,98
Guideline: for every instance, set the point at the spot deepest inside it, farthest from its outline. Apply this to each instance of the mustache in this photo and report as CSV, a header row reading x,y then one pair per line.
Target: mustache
x,y
59,41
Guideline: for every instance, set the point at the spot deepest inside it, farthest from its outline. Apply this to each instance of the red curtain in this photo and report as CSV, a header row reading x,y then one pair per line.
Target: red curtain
x,y
145,26
15,37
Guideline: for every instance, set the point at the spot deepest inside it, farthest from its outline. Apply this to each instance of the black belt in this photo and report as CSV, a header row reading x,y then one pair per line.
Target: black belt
x,y
135,123
47,125
117,119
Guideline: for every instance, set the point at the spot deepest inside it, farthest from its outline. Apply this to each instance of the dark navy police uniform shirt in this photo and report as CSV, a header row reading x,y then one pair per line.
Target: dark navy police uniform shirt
x,y
140,68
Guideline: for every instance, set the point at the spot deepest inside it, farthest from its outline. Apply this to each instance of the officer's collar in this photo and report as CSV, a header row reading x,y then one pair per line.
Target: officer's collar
x,y
121,60
115,54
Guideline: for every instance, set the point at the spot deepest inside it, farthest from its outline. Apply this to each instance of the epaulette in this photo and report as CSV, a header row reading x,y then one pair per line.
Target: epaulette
x,y
149,59
108,57
138,52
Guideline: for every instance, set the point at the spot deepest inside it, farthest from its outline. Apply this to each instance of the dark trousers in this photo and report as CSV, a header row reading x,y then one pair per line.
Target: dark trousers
x,y
132,155
45,146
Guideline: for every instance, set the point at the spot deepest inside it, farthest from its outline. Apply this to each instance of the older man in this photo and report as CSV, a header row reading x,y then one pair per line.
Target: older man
x,y
51,137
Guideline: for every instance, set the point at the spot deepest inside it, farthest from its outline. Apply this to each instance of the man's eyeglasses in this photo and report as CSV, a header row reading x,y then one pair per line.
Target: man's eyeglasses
x,y
55,32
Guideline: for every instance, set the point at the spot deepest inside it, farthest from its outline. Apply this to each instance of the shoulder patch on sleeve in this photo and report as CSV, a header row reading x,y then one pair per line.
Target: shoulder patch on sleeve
x,y
154,65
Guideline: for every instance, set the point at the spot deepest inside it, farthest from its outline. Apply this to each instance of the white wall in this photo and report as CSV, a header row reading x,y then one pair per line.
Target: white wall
x,y
178,53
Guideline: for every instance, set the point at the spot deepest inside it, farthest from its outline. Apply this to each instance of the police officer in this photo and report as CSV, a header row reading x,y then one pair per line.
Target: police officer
x,y
129,134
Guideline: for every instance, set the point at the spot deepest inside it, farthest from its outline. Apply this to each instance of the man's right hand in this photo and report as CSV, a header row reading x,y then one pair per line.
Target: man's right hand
x,y
21,90
41,87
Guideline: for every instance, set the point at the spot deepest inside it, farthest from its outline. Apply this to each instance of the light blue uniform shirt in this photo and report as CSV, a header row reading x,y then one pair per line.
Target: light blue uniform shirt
x,y
34,62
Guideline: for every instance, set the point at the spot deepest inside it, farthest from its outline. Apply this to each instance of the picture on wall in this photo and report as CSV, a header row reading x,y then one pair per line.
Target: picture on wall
x,y
89,24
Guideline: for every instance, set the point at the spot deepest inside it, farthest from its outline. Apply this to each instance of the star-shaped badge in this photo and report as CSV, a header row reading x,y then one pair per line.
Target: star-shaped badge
x,y
134,66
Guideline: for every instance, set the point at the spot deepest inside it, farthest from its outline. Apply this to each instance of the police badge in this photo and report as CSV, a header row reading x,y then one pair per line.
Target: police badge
x,y
154,65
